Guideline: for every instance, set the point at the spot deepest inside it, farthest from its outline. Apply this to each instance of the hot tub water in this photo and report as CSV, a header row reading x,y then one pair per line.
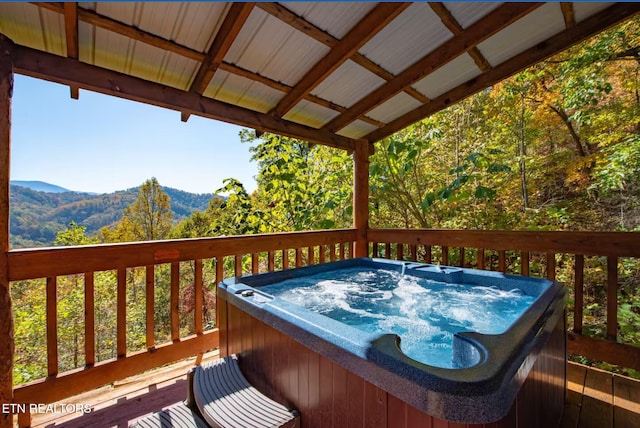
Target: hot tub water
x,y
426,314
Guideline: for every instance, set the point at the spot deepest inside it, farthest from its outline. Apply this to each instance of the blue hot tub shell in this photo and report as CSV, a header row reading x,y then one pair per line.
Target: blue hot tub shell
x,y
492,368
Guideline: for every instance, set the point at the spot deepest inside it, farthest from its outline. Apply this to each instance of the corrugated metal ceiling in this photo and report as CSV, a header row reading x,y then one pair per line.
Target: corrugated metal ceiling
x,y
260,53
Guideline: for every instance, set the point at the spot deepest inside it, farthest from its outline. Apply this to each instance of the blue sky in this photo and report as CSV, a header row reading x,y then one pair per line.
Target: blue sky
x,y
101,144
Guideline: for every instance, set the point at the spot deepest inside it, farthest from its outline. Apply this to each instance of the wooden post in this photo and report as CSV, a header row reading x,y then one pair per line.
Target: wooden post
x,y
361,197
6,313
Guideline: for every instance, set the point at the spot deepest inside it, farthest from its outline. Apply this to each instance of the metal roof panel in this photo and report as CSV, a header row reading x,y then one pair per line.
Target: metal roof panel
x,y
466,13
310,114
34,27
272,48
418,30
336,18
584,10
394,108
356,129
347,84
539,25
241,91
452,74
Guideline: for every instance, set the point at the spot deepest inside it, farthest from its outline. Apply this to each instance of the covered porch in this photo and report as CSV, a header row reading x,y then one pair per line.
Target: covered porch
x,y
302,100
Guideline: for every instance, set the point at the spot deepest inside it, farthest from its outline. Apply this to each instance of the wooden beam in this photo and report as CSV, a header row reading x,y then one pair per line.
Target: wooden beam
x,y
229,30
278,11
6,313
569,14
361,198
91,17
239,71
42,65
454,47
454,26
71,34
358,36
587,28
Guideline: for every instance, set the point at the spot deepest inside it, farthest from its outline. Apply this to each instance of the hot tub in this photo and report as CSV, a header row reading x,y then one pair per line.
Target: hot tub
x,y
337,372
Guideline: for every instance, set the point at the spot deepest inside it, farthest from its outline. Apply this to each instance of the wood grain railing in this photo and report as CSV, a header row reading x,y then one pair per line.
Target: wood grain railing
x,y
516,252
231,256
526,253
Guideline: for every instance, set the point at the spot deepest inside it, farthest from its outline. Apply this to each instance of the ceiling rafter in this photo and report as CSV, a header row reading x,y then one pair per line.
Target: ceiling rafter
x,y
93,18
67,71
70,11
568,14
481,30
581,31
357,37
285,15
229,30
109,24
454,26
282,87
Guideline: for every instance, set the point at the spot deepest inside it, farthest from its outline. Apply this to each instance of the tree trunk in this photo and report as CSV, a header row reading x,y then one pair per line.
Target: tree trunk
x,y
523,153
582,147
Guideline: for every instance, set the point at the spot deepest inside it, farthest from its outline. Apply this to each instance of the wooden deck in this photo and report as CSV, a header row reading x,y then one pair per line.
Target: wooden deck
x,y
123,402
596,399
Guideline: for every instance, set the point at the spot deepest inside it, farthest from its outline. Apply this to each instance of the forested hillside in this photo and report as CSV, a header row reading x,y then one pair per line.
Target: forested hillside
x,y
36,216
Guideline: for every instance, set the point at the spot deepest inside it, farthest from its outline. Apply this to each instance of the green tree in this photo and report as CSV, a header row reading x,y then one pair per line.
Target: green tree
x,y
147,219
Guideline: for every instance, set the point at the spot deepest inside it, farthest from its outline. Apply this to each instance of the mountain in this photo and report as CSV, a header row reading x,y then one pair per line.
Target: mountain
x,y
37,216
40,186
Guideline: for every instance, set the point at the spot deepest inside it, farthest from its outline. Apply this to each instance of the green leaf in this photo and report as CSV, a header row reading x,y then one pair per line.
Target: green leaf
x,y
483,192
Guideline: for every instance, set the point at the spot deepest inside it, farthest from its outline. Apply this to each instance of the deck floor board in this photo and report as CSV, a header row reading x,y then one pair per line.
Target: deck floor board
x,y
595,399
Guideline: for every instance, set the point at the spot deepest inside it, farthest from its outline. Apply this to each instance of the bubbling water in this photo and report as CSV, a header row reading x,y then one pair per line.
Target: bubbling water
x,y
424,313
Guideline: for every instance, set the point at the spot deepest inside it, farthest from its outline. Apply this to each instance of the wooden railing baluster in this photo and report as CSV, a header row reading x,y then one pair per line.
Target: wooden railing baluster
x,y
271,263
175,301
445,255
298,257
387,250
237,262
150,286
400,252
480,258
285,259
551,266
89,320
612,298
502,261
578,287
414,252
121,314
198,298
427,254
52,326
342,251
524,263
461,258
255,263
311,256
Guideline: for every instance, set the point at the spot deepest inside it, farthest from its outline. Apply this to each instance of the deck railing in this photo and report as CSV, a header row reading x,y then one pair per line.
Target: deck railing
x,y
527,253
229,256
517,252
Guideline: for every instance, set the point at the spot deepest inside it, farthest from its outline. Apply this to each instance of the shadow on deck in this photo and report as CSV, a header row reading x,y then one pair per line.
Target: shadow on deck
x,y
124,402
595,399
